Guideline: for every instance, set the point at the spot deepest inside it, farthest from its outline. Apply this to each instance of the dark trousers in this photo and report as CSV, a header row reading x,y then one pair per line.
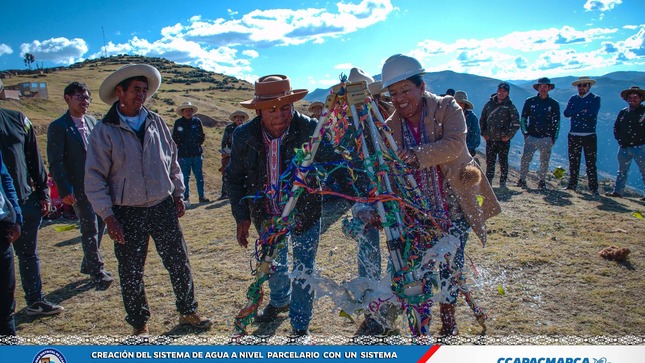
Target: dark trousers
x,y
576,145
497,149
92,227
26,249
139,224
7,285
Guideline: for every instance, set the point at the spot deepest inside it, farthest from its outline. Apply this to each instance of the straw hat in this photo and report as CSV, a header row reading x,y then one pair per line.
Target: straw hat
x,y
630,90
543,80
314,104
238,113
398,68
184,106
583,79
273,91
462,97
107,91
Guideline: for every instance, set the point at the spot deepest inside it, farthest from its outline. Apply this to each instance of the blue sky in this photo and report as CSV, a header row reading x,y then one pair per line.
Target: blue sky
x,y
313,42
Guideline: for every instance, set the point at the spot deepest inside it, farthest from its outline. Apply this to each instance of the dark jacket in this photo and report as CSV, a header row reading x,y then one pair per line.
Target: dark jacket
x,y
227,137
583,112
21,156
66,154
629,129
499,119
541,117
248,172
473,139
10,196
189,137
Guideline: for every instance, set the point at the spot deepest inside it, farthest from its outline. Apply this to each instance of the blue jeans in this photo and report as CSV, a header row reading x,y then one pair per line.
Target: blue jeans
x,y
625,156
25,248
195,164
283,292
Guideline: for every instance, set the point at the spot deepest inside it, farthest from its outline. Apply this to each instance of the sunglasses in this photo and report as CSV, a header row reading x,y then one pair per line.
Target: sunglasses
x,y
580,85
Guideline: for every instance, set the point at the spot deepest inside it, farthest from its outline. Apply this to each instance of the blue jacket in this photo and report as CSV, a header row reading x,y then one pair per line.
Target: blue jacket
x,y
472,123
189,137
541,117
583,112
9,192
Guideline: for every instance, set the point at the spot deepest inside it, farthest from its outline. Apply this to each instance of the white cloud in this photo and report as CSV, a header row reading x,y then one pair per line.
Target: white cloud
x,y
601,5
58,50
251,53
5,49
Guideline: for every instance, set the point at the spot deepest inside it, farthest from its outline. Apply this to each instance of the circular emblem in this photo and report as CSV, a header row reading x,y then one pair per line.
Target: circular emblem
x,y
49,355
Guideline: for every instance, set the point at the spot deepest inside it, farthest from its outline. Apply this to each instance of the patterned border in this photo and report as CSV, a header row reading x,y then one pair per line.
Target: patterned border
x,y
321,340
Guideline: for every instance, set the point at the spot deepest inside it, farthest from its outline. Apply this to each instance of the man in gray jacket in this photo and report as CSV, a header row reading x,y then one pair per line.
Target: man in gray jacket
x,y
66,149
498,124
133,180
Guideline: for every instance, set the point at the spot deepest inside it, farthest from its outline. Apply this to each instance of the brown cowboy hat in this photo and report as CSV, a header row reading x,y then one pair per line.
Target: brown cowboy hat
x,y
107,91
543,80
630,90
184,106
583,79
273,91
239,113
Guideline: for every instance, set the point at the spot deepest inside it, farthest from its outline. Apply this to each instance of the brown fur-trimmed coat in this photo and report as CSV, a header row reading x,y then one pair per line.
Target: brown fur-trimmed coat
x,y
446,127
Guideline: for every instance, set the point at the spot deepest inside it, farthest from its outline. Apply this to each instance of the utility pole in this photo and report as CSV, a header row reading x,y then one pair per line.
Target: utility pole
x,y
104,46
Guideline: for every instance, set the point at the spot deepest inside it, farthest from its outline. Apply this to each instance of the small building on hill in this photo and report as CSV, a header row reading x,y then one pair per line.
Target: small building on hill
x,y
32,89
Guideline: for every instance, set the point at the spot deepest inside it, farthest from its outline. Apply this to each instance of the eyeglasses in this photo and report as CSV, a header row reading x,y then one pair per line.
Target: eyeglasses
x,y
580,85
82,98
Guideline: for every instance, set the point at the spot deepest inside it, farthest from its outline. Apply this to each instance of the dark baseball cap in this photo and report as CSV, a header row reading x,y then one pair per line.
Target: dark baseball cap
x,y
505,86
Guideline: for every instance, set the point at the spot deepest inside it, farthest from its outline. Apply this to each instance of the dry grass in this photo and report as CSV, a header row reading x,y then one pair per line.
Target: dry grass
x,y
539,275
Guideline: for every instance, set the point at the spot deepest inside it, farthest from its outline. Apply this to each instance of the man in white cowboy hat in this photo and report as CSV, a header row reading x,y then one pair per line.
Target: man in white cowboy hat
x,y
540,123
263,149
499,123
629,131
473,137
134,182
188,133
583,109
238,117
67,139
316,109
19,149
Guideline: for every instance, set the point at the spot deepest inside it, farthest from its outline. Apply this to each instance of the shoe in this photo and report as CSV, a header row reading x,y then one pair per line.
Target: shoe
x,y
614,195
542,185
85,271
571,188
643,199
371,326
521,183
141,331
186,204
196,321
44,308
300,336
204,200
223,197
103,280
270,313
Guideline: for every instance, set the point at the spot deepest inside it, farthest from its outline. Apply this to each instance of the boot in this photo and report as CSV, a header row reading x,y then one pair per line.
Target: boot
x,y
448,322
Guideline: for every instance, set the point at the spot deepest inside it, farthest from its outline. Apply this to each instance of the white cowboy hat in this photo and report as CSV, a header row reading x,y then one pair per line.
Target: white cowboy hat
x,y
462,97
314,104
398,68
184,106
239,113
107,91
583,79
273,91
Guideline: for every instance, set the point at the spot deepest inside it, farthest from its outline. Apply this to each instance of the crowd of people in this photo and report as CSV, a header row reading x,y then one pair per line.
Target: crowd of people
x,y
128,175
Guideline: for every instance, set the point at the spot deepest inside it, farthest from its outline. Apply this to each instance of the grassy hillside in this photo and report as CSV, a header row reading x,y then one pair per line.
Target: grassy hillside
x,y
539,275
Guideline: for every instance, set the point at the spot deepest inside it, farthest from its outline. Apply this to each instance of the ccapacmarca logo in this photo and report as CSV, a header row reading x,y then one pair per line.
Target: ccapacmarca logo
x,y
601,360
49,355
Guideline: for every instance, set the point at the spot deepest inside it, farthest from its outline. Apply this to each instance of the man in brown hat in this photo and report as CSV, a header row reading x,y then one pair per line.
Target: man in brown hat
x,y
238,117
472,122
188,133
629,131
583,109
540,122
133,180
263,149
316,109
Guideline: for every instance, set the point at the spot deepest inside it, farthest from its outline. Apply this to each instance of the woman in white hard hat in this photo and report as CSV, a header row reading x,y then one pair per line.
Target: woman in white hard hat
x,y
431,133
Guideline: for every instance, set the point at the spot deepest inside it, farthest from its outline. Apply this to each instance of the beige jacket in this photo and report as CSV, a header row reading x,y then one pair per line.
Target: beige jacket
x,y
446,129
121,170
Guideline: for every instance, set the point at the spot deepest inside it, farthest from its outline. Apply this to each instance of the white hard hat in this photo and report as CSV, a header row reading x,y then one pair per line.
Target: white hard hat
x,y
398,68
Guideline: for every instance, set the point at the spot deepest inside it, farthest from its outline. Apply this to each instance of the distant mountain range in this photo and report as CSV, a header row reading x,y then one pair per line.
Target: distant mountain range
x,y
480,89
